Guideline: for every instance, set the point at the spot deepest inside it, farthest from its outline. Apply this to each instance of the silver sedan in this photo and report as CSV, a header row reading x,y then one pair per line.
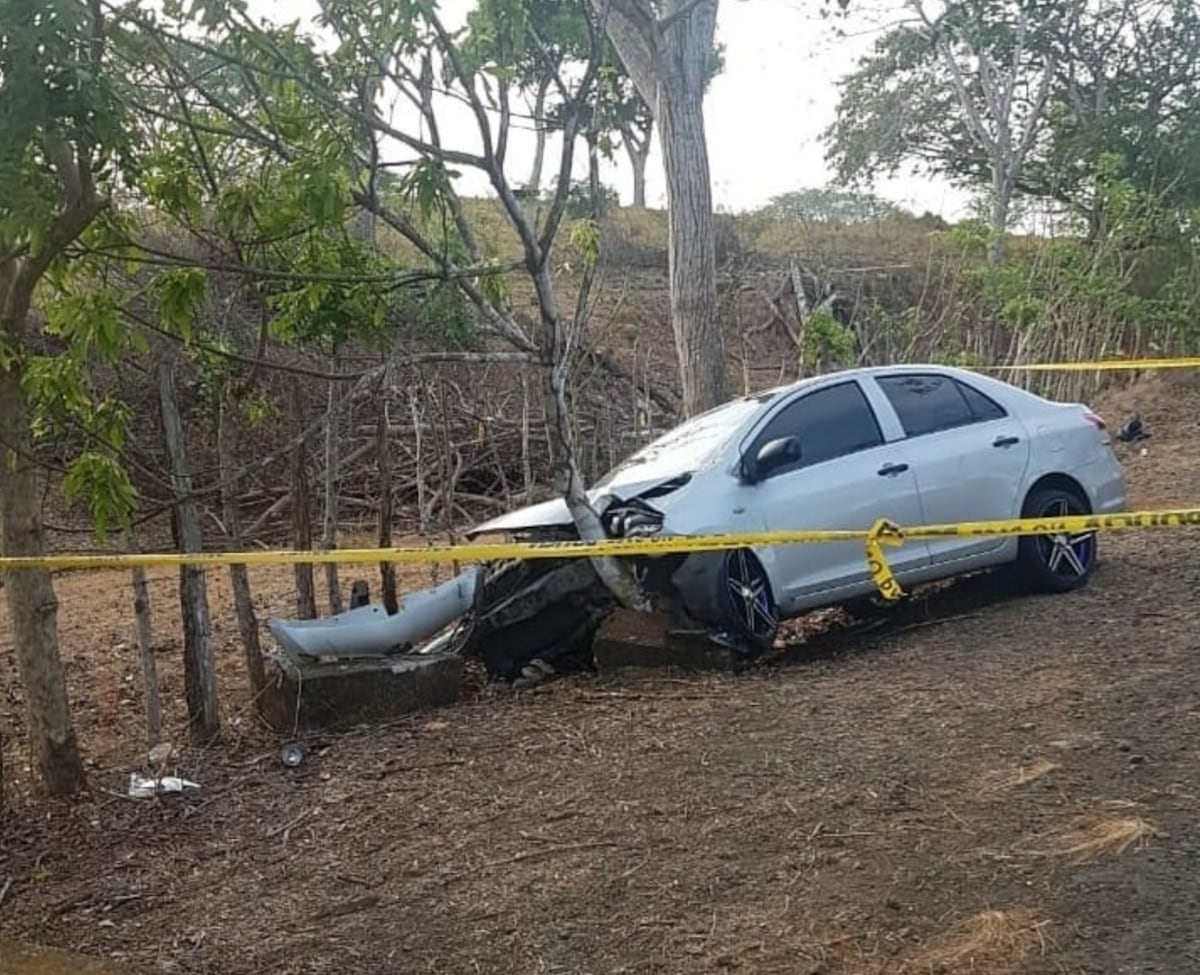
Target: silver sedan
x,y
914,444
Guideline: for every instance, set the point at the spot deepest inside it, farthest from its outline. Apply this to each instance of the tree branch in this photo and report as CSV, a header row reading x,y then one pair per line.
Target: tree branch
x,y
634,32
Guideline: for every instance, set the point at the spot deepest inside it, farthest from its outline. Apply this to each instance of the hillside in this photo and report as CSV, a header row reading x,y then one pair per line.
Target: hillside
x,y
467,437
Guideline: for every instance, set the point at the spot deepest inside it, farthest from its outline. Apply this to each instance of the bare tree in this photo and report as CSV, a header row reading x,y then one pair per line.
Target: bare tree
x,y
199,667
239,578
1004,100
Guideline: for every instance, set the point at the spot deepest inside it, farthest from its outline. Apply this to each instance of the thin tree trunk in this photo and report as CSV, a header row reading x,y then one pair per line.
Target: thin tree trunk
x,y
637,148
383,453
534,185
145,645
200,677
615,575
32,606
996,249
638,162
330,485
526,454
302,539
239,577
419,460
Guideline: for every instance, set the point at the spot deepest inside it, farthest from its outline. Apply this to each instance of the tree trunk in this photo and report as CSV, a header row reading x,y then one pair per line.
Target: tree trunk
x,y
668,59
534,186
330,521
200,676
145,645
32,606
615,574
691,249
383,453
996,248
526,453
637,160
636,140
306,597
239,577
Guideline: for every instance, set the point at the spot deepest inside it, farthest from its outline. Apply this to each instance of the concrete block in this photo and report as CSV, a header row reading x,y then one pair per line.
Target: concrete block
x,y
643,641
331,695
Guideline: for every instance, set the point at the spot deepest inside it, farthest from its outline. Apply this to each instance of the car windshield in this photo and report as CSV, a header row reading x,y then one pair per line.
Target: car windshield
x,y
690,445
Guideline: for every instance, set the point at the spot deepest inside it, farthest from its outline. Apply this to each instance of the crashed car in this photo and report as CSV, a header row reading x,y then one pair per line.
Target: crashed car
x,y
913,444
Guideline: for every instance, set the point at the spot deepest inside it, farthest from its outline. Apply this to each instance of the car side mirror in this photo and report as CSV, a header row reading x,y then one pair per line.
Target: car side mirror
x,y
770,457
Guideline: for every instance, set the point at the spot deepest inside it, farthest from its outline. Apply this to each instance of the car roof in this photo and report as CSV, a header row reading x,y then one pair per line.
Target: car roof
x,y
859,372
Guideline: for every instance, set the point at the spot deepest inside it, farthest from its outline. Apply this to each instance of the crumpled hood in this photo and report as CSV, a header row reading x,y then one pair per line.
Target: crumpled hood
x,y
554,513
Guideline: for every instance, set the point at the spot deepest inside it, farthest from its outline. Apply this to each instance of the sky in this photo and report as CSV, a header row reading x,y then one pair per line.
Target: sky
x,y
764,114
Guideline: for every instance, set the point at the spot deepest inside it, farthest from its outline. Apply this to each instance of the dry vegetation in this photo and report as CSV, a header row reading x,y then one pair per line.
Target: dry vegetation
x,y
991,943
1093,837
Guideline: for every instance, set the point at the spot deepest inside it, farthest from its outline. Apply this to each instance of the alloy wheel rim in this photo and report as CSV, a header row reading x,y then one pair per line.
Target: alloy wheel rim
x,y
750,595
1066,554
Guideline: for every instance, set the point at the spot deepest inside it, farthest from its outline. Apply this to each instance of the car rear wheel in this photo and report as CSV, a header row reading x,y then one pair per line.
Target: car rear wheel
x,y
1061,562
746,600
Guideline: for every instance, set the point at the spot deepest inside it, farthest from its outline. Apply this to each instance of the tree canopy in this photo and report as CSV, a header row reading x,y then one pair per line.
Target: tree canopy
x,y
1107,95
828,205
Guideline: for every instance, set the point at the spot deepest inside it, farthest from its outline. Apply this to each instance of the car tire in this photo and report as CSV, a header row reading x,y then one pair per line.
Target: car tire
x,y
1055,563
746,600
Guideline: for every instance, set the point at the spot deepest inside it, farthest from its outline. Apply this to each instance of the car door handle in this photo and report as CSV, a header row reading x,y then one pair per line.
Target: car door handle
x,y
889,470
1006,441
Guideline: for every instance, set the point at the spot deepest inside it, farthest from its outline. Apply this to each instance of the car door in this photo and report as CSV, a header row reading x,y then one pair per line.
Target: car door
x,y
969,456
845,477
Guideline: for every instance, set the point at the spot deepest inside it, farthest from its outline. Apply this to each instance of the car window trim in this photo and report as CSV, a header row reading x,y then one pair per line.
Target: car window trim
x,y
752,436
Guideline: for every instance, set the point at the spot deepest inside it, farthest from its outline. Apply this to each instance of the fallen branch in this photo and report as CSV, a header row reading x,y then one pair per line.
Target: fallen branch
x,y
449,763
937,622
295,821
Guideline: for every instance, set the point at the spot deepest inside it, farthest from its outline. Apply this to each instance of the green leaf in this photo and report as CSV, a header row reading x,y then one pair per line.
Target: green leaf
x,y
180,291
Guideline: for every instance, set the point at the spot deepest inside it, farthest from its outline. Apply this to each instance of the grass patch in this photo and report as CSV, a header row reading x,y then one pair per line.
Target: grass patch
x,y
1086,840
1004,780
990,942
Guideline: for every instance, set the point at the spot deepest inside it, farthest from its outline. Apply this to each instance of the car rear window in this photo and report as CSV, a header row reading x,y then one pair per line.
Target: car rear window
x,y
927,403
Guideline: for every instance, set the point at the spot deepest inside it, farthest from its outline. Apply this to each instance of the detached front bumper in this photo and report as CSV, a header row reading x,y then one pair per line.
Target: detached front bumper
x,y
369,631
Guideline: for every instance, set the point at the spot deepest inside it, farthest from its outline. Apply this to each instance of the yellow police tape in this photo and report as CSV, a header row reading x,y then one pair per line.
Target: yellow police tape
x,y
1097,365
882,533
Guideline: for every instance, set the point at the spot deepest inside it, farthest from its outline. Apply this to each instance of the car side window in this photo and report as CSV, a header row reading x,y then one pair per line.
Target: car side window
x,y
983,407
928,403
829,423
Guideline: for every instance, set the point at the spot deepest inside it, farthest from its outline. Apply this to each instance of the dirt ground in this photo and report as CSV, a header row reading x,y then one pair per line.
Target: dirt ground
x,y
985,784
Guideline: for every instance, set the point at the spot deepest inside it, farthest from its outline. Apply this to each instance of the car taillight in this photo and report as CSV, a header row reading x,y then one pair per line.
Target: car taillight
x,y
1094,420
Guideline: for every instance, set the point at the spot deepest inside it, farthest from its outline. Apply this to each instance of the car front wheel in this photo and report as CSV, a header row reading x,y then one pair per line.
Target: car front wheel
x,y
1061,562
746,600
